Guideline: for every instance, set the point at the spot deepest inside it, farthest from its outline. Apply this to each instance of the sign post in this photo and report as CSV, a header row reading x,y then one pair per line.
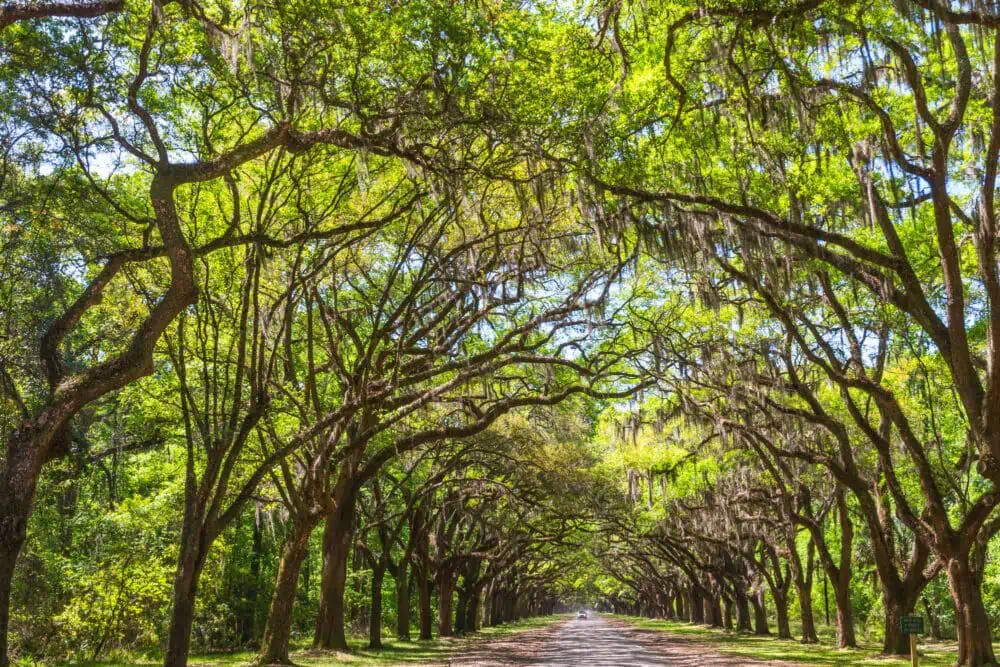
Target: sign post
x,y
912,626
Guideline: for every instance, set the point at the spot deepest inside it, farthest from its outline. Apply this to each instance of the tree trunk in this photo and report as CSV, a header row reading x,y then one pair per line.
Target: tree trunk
x,y
18,480
472,611
357,563
899,593
894,606
715,607
781,614
375,614
330,632
727,613
486,601
802,576
742,611
424,595
697,609
195,544
194,547
975,642
248,622
493,606
278,631
9,550
509,610
668,607
806,613
759,614
804,589
845,615
499,600
460,611
446,587
403,602
842,582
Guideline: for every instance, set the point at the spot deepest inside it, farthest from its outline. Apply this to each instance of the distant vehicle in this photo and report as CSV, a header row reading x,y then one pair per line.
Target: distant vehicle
x,y
582,615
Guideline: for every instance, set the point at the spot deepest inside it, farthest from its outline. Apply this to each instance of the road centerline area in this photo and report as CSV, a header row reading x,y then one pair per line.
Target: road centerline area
x,y
596,642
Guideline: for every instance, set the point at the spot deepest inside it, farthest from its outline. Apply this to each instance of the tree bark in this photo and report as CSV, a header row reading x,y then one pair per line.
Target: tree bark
x,y
806,613
781,614
509,612
46,436
446,588
696,607
249,616
975,642
839,574
472,610
845,615
460,611
424,601
715,611
194,547
9,549
742,611
759,615
668,607
803,586
375,613
403,602
278,631
894,606
493,606
330,619
26,449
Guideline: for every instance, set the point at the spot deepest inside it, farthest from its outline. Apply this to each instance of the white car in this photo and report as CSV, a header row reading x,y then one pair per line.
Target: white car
x,y
582,615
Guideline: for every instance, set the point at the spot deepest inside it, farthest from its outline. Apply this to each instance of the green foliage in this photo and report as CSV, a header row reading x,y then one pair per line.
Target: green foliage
x,y
431,241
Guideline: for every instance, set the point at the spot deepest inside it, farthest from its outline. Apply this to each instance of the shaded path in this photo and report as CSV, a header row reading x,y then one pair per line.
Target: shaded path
x,y
596,642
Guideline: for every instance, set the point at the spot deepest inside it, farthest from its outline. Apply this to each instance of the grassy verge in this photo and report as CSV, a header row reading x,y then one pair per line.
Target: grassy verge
x,y
932,654
393,653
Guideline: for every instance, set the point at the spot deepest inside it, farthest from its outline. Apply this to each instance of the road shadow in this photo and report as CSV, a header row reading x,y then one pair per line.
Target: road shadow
x,y
598,643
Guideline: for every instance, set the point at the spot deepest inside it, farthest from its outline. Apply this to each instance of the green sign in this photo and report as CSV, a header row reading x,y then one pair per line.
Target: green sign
x,y
912,625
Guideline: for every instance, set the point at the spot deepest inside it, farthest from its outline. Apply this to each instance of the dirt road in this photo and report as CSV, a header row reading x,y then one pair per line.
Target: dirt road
x,y
596,642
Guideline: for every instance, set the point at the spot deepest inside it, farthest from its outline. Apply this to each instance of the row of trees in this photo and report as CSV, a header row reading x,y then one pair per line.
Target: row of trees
x,y
825,187
315,249
288,248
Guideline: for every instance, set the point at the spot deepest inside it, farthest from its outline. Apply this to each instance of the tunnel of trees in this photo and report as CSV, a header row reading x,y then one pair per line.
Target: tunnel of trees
x,y
404,319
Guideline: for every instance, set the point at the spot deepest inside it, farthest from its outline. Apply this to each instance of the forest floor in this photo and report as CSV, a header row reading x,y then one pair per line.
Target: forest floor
x,y
603,640
598,642
754,649
435,652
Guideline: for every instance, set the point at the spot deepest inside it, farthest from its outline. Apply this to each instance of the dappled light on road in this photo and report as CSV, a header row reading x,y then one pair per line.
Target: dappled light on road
x,y
596,642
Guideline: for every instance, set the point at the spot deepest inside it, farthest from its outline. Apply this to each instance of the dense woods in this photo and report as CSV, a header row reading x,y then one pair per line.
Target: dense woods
x,y
397,320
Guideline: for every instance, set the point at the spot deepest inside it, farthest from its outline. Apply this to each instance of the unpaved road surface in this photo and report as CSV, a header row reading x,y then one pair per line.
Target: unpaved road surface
x,y
597,642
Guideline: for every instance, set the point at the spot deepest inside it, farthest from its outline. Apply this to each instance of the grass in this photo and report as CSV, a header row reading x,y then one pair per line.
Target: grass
x,y
393,653
932,654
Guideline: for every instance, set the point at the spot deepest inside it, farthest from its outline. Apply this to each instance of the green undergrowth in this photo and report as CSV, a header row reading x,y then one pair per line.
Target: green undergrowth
x,y
932,654
393,653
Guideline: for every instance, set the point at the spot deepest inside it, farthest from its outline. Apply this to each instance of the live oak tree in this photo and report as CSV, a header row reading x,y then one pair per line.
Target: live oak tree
x,y
454,328
237,91
310,263
828,135
117,111
752,389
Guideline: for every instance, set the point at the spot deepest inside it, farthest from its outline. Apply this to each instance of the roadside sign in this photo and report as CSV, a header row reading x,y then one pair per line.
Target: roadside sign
x,y
911,625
